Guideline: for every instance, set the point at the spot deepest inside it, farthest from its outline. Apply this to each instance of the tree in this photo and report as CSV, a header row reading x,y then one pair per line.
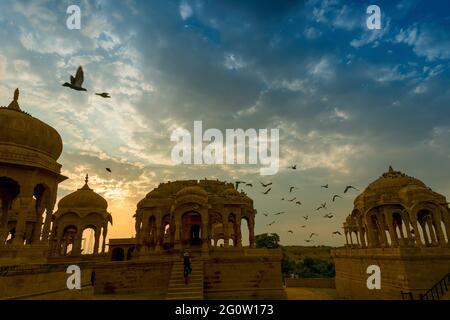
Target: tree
x,y
267,240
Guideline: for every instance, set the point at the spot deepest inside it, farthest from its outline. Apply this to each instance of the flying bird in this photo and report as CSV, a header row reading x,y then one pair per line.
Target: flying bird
x,y
271,223
266,185
249,185
329,216
299,203
308,240
292,189
306,217
279,213
265,214
350,187
77,82
335,197
109,170
294,167
290,231
322,206
292,200
104,95
337,233
267,191
325,186
312,235
303,226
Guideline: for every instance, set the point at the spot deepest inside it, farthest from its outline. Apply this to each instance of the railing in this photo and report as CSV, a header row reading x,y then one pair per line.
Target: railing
x,y
435,293
438,290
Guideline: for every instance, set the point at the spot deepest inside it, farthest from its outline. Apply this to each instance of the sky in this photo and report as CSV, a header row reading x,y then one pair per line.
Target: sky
x,y
348,101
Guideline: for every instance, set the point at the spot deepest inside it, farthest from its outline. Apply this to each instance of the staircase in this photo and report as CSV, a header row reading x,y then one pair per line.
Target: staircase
x,y
178,290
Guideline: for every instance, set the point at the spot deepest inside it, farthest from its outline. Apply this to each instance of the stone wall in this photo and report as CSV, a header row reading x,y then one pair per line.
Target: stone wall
x,y
244,274
28,281
310,283
402,269
127,277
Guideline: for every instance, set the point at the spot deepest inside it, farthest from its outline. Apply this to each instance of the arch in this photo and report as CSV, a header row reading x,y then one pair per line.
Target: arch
x,y
191,234
118,254
87,240
9,191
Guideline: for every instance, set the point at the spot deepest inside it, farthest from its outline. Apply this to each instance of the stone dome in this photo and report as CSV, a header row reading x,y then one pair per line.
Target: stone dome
x,y
84,198
395,187
194,190
21,129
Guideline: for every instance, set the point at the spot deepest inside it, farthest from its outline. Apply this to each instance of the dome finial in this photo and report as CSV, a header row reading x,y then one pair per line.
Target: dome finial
x,y
14,104
87,178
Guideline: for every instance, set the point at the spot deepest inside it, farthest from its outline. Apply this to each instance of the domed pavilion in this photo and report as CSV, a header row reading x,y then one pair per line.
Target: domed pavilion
x,y
398,211
401,226
29,178
78,211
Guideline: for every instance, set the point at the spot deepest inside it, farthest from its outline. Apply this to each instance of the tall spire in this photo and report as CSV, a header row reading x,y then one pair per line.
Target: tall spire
x,y
15,104
86,180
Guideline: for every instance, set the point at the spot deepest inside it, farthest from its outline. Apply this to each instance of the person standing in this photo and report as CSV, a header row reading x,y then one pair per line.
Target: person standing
x,y
187,266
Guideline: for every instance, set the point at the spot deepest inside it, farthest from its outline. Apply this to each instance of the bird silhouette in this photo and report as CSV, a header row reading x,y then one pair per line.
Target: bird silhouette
x,y
322,206
290,231
265,185
313,234
293,199
335,197
298,203
306,217
265,214
329,216
308,240
294,167
249,185
279,213
325,186
337,233
350,187
104,95
292,189
109,170
303,226
267,191
77,82
270,224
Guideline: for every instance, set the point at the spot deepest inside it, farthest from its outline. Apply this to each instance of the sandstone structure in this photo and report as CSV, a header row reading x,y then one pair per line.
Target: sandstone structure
x,y
402,226
37,244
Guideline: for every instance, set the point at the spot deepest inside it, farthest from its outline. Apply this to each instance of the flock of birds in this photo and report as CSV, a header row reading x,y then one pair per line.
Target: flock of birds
x,y
76,83
267,188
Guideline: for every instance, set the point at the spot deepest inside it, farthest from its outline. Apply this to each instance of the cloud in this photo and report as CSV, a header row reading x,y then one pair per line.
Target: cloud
x,y
185,10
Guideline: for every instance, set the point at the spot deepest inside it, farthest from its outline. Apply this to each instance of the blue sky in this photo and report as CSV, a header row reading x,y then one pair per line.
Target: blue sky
x,y
348,101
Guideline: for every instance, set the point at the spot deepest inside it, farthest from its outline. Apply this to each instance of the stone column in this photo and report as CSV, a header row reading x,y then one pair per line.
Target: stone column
x,y
382,230
390,223
26,206
48,220
437,218
446,219
105,233
429,222
177,243
238,231
251,232
346,236
6,203
226,229
415,224
97,239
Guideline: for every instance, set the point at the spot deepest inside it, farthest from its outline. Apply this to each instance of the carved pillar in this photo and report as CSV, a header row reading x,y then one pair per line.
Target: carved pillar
x,y
105,233
26,206
390,223
205,234
429,223
97,239
437,218
407,223
238,231
346,236
6,204
177,243
251,232
415,224
48,221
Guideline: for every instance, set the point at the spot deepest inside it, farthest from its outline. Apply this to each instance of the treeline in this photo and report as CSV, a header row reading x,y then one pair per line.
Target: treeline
x,y
304,267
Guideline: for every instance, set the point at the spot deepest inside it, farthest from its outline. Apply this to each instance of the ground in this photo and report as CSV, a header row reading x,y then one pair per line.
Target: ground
x,y
311,294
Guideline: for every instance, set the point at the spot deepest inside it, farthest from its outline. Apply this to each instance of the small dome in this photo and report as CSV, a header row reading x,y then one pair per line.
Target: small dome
x,y
191,191
84,198
392,181
21,129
